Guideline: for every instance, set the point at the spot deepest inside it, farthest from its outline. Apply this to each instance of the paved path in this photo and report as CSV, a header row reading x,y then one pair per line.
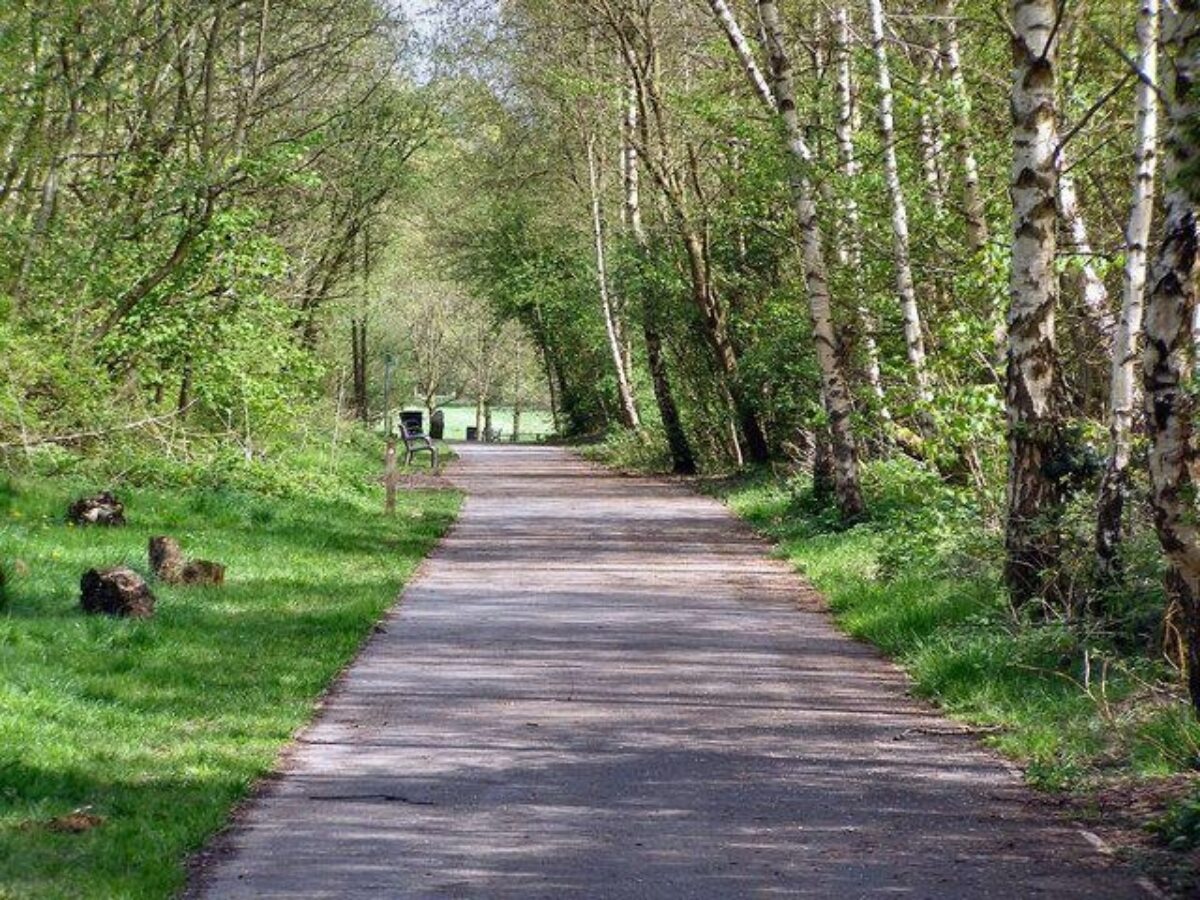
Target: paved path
x,y
601,687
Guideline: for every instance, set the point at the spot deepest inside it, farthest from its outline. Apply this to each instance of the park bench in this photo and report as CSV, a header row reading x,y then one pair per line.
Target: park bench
x,y
416,441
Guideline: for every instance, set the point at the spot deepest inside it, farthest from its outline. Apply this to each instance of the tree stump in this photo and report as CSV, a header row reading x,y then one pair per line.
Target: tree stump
x,y
166,559
168,563
202,572
118,591
102,509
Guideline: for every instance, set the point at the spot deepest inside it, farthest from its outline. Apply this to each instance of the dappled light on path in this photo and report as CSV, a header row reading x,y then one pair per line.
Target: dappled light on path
x,y
603,687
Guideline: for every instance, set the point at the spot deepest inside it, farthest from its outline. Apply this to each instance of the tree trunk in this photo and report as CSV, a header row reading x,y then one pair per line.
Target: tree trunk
x,y
835,393
1033,423
914,340
1114,485
850,247
973,210
184,401
1094,294
629,413
1168,358
358,341
683,459
518,400
929,130
552,389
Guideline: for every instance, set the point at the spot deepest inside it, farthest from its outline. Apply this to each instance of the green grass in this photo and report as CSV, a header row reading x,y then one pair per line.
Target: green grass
x,y
535,423
917,581
160,726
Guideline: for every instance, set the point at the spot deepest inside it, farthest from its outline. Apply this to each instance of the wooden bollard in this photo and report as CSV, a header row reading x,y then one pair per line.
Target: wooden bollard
x,y
389,477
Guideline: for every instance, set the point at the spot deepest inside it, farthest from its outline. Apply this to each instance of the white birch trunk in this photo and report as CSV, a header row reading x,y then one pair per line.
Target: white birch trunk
x,y
914,340
850,247
629,413
741,47
835,392
929,131
1169,355
1094,295
1033,423
973,209
1114,485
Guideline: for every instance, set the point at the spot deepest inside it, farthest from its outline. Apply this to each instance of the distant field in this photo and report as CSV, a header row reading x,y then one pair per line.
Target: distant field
x,y
535,423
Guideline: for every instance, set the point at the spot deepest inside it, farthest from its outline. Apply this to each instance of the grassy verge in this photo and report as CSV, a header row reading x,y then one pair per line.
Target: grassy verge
x,y
1085,710
535,423
152,730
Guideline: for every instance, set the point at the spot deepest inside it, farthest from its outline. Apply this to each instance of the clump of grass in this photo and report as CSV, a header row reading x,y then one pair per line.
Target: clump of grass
x,y
627,451
154,729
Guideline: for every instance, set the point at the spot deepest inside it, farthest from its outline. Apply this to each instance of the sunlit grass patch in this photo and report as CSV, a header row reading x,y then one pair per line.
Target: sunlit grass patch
x,y
152,730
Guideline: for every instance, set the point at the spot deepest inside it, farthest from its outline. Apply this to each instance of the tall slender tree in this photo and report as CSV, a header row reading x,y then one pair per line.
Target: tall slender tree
x,y
1114,485
1169,356
1034,422
835,394
914,338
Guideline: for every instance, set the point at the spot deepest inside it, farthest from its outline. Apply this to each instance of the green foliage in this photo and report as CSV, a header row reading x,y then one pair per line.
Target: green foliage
x,y
1179,829
628,452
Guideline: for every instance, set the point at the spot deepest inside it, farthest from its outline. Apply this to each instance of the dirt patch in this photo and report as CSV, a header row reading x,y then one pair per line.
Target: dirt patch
x,y
1122,811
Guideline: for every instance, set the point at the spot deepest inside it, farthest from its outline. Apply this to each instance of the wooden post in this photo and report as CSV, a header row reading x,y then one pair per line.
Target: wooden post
x,y
389,476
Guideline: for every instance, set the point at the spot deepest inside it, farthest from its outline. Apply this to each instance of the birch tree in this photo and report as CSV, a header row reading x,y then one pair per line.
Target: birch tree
x,y
1169,356
850,247
683,458
780,98
1093,293
1033,417
973,208
1114,485
914,339
629,412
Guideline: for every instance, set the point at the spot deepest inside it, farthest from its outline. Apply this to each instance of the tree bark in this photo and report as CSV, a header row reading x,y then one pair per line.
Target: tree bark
x,y
683,458
1093,294
850,247
929,130
629,412
973,209
1033,420
1114,485
914,340
1169,354
835,393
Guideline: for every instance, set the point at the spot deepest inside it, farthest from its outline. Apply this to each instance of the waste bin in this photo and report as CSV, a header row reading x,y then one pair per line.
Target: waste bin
x,y
413,421
437,425
472,433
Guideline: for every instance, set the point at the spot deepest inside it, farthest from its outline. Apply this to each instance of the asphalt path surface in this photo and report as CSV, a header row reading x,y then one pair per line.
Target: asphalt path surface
x,y
604,687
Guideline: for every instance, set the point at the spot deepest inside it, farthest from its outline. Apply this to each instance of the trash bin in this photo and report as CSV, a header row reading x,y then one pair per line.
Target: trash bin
x,y
413,421
472,433
437,425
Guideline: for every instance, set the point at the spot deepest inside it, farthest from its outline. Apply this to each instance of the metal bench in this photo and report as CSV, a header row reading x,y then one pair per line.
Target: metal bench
x,y
416,441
